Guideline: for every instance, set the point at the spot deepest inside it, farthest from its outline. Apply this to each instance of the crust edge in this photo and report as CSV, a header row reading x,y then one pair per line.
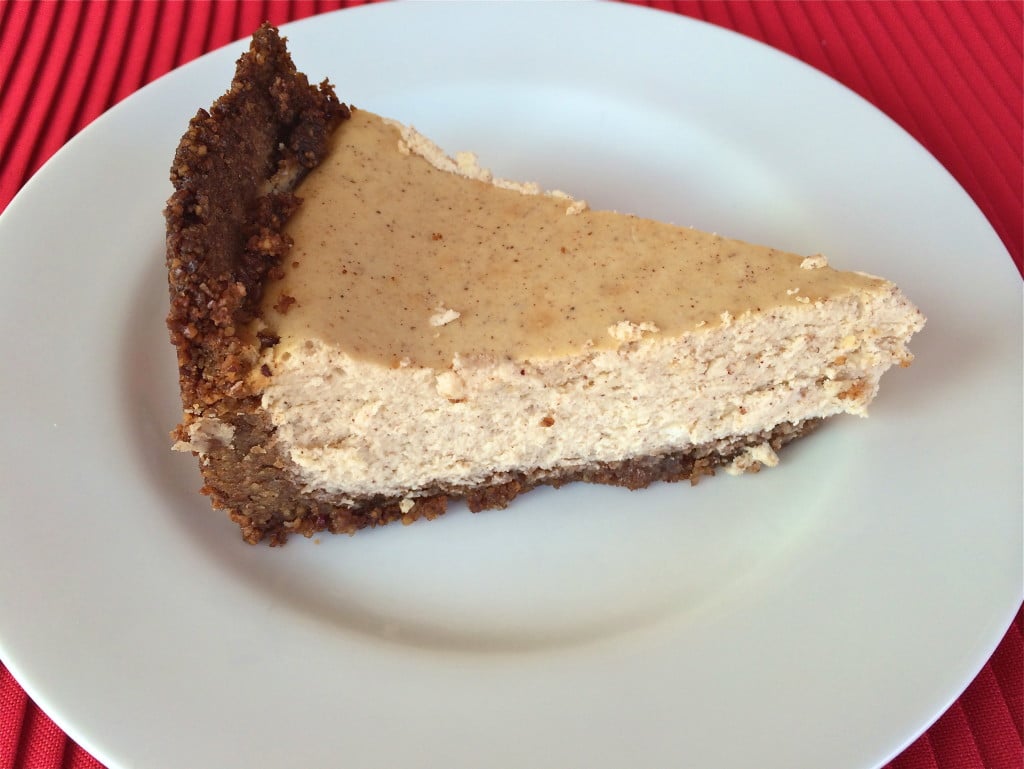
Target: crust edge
x,y
233,175
249,479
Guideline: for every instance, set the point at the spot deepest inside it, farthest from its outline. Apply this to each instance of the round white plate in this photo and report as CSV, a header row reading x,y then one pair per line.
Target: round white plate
x,y
820,614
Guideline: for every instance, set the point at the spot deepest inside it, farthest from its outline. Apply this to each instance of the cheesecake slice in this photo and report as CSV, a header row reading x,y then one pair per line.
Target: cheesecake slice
x,y
367,328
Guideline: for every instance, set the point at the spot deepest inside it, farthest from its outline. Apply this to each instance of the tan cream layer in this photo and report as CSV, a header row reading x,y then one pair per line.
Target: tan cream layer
x,y
396,259
356,428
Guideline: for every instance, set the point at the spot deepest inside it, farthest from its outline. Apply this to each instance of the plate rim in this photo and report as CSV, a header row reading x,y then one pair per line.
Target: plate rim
x,y
124,106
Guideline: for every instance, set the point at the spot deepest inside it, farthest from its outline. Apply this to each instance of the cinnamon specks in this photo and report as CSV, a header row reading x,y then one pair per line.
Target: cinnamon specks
x,y
856,391
284,303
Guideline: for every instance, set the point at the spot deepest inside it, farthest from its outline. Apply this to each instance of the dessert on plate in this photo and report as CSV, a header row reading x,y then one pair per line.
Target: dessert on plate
x,y
367,328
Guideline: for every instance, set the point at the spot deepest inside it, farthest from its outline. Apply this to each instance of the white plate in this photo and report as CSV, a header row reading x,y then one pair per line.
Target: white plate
x,y
820,614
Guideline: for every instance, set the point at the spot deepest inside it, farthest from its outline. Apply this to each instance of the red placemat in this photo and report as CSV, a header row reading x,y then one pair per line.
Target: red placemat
x,y
950,73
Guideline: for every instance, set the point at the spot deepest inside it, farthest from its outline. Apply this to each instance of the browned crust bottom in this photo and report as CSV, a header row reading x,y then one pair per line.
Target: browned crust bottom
x,y
255,483
233,175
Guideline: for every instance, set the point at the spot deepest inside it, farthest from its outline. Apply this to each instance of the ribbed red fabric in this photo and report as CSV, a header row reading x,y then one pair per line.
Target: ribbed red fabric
x,y
949,73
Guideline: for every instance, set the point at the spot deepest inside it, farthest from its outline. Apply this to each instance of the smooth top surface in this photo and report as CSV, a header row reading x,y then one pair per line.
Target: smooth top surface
x,y
396,259
825,619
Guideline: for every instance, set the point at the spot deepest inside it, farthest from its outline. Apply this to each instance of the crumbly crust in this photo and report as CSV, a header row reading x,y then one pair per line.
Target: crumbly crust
x,y
233,175
250,479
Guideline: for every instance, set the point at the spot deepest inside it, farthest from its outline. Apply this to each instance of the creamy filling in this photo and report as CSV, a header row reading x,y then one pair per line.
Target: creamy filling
x,y
439,329
359,429
399,256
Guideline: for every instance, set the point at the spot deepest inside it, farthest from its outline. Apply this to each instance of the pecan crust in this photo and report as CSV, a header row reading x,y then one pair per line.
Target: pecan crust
x,y
233,175
252,481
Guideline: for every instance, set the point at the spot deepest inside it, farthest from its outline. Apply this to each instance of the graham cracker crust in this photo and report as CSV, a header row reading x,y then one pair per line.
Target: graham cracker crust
x,y
233,176
251,480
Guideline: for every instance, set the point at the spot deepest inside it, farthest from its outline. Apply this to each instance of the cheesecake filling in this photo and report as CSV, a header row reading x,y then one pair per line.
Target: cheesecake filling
x,y
360,429
436,331
397,257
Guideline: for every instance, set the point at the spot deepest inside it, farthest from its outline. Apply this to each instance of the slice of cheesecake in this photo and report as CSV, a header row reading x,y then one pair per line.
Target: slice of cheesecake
x,y
366,327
